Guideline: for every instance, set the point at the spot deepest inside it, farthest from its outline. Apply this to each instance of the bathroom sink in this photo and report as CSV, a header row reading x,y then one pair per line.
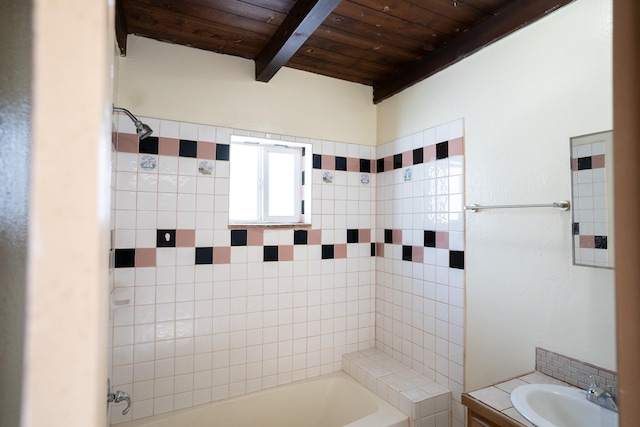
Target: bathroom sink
x,y
550,405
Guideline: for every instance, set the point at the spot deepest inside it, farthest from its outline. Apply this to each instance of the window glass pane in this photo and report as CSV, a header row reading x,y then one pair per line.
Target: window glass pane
x,y
281,183
244,182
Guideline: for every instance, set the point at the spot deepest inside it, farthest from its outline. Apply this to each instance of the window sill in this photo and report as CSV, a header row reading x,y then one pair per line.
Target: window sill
x,y
244,226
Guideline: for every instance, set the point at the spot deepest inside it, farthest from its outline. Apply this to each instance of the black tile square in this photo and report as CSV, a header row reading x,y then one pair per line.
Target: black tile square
x,y
388,236
407,253
222,151
429,239
125,258
317,161
576,228
166,238
302,178
418,156
442,150
238,237
341,163
584,163
379,165
373,249
365,165
352,236
302,207
188,148
149,145
456,259
204,255
304,151
300,237
327,251
600,242
397,161
270,253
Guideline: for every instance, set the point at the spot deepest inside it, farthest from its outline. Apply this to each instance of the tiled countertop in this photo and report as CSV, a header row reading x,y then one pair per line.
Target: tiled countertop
x,y
497,396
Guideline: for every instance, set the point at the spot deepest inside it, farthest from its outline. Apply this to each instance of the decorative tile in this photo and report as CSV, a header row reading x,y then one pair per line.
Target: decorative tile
x,y
327,177
148,163
205,168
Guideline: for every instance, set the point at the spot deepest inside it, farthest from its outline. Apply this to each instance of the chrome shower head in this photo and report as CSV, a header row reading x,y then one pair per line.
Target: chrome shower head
x,y
142,129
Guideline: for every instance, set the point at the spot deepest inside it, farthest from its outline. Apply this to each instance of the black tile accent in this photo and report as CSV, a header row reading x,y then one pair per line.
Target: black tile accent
x,y
238,237
418,156
352,236
149,145
304,151
600,242
270,253
584,163
373,249
429,239
166,238
302,207
188,148
576,228
397,161
380,165
327,251
125,258
317,161
456,259
365,165
204,255
300,237
407,253
341,163
388,235
222,151
442,150
302,179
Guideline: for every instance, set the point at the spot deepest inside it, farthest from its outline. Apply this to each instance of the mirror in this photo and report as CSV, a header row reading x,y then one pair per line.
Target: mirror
x,y
592,199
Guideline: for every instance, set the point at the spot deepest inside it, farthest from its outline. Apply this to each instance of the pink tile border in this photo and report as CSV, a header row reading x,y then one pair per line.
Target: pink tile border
x,y
255,237
407,159
185,238
429,153
353,164
145,257
127,143
285,253
380,249
168,146
587,242
364,235
597,161
442,239
417,254
206,150
396,238
328,162
456,147
314,237
340,250
222,255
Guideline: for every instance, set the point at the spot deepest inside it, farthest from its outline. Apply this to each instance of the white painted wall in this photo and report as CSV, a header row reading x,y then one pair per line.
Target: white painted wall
x,y
185,84
522,99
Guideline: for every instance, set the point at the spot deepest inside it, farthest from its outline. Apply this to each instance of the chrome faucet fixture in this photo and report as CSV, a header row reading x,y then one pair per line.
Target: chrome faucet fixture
x,y
119,396
601,397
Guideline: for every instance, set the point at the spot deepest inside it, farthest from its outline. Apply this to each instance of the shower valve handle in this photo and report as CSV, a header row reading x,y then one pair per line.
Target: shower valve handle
x,y
119,396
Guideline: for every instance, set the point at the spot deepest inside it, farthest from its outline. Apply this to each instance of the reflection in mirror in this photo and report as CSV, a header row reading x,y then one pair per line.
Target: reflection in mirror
x,y
592,199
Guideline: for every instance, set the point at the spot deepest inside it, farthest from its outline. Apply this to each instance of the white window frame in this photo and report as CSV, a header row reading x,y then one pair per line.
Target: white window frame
x,y
301,192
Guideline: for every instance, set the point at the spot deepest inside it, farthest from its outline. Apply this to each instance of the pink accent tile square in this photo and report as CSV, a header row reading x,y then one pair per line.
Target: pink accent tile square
x,y
314,237
380,249
373,166
587,242
456,147
442,239
285,253
407,159
222,255
597,161
353,164
417,254
574,164
340,250
127,143
388,163
396,236
185,238
255,237
364,235
328,162
168,146
429,153
206,150
145,257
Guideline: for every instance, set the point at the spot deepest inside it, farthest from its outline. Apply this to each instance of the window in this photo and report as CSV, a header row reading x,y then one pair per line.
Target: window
x,y
269,181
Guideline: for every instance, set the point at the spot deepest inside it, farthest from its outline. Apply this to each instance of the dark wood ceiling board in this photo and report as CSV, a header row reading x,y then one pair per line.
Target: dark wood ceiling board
x,y
488,6
459,11
301,22
517,15
329,70
282,6
261,13
121,27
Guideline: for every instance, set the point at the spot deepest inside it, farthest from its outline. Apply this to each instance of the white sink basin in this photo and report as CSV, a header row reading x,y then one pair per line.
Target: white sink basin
x,y
548,405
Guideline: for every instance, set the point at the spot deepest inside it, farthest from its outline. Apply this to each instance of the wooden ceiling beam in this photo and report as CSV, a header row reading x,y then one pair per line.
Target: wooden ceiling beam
x,y
301,22
121,28
515,16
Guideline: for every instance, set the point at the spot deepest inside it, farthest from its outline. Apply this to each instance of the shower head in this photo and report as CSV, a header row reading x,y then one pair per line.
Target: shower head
x,y
142,129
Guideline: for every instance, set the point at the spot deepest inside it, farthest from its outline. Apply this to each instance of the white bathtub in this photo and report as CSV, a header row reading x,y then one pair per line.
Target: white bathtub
x,y
333,400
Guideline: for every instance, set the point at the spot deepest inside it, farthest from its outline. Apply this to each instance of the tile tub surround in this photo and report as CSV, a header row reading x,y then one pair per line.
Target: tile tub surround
x,y
425,402
217,313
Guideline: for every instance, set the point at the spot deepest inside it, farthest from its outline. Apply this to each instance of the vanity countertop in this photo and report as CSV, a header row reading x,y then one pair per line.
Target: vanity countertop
x,y
494,401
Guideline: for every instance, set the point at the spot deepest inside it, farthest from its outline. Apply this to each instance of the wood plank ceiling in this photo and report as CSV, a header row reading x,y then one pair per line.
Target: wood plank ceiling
x,y
387,44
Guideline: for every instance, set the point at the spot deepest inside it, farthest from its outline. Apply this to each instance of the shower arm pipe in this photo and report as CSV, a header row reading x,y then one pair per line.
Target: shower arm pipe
x,y
562,205
142,129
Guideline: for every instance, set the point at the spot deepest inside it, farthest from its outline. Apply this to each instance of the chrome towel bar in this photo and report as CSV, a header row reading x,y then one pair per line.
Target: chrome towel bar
x,y
562,205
